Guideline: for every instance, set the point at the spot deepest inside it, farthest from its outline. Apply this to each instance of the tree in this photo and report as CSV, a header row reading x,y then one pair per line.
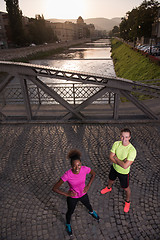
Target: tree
x,y
138,22
15,20
148,12
39,32
114,32
124,29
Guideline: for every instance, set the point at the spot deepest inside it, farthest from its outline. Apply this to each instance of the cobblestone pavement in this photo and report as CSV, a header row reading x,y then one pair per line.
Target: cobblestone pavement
x,y
33,157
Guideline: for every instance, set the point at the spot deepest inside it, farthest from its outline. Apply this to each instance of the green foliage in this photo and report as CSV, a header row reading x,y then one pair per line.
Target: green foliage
x,y
115,32
15,20
138,22
132,65
39,32
35,32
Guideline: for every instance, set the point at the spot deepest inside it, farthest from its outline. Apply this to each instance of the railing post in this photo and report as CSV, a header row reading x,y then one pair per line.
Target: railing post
x,y
3,98
26,98
116,106
109,98
74,99
39,97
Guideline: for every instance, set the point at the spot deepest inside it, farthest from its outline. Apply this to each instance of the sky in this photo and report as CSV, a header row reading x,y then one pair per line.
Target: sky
x,y
72,9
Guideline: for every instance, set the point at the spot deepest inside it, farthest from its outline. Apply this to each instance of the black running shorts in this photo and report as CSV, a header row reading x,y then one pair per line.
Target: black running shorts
x,y
123,178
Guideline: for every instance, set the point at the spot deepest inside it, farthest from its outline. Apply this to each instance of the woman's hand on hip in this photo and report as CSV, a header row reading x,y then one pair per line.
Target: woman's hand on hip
x,y
71,194
85,190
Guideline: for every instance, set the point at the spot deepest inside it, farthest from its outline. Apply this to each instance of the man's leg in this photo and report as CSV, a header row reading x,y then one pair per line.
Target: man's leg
x,y
110,183
127,203
112,178
124,181
128,194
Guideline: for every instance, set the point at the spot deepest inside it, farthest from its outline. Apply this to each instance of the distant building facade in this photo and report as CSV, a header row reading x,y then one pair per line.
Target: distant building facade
x,y
64,32
4,30
156,30
81,28
69,31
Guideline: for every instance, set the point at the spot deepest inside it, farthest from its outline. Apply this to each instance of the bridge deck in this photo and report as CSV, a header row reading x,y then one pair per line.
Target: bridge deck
x,y
94,112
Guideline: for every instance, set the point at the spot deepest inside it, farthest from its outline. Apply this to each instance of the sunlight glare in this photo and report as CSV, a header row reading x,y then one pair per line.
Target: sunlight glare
x,y
64,9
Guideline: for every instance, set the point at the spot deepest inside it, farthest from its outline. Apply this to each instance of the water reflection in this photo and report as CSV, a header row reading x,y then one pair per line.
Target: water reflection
x,y
90,53
100,44
102,67
84,59
95,61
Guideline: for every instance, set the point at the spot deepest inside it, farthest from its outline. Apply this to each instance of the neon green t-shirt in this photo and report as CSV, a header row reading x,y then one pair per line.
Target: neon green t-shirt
x,y
123,152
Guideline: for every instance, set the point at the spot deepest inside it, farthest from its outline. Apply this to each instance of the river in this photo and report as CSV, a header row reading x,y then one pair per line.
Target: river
x,y
94,58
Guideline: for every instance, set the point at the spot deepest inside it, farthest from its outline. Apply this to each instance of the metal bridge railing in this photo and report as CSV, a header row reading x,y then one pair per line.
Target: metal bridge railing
x,y
73,93
76,92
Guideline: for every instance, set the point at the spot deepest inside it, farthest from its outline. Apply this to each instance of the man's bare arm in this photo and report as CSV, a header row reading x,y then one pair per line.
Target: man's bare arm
x,y
124,164
112,157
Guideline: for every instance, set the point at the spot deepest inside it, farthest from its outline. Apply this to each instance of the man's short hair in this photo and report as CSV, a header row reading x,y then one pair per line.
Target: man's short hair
x,y
126,130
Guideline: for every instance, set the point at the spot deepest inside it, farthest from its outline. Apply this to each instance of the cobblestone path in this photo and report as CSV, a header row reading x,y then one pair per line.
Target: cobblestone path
x,y
32,159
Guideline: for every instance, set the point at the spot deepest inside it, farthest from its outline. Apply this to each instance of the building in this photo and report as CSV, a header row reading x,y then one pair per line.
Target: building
x,y
81,28
64,31
4,30
156,30
69,31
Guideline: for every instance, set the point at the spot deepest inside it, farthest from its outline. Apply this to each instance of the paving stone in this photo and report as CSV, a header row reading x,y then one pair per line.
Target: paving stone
x,y
32,159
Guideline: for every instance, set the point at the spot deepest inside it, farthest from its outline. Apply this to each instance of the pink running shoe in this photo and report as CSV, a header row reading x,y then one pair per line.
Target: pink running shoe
x,y
126,207
105,190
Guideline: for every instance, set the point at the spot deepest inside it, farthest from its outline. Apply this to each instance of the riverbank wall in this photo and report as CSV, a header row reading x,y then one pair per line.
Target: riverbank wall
x,y
19,53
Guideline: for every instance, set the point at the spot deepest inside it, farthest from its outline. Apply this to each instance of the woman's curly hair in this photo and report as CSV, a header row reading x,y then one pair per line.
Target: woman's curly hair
x,y
74,155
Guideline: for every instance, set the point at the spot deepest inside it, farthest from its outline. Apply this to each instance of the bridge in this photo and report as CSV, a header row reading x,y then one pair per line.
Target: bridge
x,y
32,92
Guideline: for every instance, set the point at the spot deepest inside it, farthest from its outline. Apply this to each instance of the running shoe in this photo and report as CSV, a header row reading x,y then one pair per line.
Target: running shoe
x,y
105,190
69,229
126,207
94,215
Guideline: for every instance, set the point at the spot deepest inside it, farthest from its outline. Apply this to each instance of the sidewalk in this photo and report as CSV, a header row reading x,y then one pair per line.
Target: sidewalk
x,y
32,159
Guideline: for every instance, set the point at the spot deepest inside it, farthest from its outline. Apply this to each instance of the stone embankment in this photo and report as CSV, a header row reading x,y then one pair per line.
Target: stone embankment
x,y
15,53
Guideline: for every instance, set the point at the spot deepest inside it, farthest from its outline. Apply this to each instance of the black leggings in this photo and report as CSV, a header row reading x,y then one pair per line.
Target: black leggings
x,y
72,202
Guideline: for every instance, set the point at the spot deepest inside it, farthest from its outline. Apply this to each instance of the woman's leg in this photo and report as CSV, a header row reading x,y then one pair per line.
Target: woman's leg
x,y
71,203
86,202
